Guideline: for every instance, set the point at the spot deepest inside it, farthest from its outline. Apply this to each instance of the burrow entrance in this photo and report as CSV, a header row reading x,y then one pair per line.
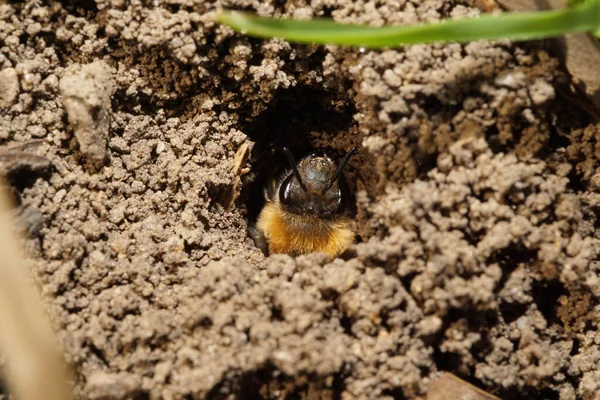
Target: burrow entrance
x,y
305,120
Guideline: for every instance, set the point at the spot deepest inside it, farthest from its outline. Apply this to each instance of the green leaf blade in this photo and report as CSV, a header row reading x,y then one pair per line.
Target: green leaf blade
x,y
514,26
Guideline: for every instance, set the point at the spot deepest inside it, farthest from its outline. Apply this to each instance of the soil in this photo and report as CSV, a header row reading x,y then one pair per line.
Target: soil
x,y
477,191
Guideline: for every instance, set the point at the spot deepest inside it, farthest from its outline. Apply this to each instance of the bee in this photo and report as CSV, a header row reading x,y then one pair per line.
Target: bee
x,y
306,209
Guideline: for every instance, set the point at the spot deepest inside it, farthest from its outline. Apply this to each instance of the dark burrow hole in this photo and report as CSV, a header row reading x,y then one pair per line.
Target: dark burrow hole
x,y
528,394
80,8
269,383
576,182
25,179
509,259
494,140
249,386
575,349
477,321
277,314
446,361
545,295
512,311
305,120
396,394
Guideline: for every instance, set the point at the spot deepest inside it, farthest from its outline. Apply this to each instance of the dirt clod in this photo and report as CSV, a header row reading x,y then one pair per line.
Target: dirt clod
x,y
112,386
86,91
9,87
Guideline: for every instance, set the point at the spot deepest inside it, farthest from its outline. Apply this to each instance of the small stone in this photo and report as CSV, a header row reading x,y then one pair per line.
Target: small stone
x,y
429,326
50,84
9,87
117,214
103,385
37,131
541,92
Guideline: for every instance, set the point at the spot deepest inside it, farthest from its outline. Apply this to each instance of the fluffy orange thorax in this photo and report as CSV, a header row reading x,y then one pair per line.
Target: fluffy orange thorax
x,y
301,234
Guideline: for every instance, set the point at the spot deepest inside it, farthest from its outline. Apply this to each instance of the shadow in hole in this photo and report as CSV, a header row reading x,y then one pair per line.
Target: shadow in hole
x,y
296,119
80,8
545,295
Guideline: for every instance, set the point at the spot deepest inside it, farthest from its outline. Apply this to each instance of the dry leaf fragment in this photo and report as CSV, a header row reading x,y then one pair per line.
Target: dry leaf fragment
x,y
450,387
16,158
230,195
241,156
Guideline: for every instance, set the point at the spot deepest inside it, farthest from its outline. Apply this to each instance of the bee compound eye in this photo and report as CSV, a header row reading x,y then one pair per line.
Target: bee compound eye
x,y
284,190
340,200
333,202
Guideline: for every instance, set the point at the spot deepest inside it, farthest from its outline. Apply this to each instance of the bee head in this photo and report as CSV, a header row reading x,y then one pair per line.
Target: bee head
x,y
312,186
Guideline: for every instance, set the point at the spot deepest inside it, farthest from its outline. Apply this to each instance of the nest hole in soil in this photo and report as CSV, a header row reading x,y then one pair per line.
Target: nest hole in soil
x,y
305,120
268,383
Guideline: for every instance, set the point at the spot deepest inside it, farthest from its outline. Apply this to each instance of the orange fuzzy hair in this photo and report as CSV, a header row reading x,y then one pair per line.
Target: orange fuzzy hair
x,y
301,234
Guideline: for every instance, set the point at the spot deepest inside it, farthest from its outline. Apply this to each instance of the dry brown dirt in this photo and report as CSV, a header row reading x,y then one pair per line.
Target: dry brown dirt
x,y
477,196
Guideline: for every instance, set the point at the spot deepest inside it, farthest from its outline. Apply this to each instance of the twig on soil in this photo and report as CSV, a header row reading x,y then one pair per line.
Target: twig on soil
x,y
14,159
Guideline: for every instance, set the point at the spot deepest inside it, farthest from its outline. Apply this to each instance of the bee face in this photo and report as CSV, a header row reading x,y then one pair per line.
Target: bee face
x,y
315,192
304,210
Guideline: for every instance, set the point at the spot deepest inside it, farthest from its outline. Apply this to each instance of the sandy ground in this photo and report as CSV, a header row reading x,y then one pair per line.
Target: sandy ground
x,y
477,192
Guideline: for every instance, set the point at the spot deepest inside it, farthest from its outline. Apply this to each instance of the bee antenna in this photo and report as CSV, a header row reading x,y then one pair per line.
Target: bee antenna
x,y
339,169
292,163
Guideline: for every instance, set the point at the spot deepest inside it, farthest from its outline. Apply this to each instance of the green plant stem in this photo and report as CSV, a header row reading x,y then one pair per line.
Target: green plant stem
x,y
584,17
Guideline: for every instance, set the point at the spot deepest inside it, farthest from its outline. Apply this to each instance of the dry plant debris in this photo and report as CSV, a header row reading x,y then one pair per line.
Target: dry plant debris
x,y
34,368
